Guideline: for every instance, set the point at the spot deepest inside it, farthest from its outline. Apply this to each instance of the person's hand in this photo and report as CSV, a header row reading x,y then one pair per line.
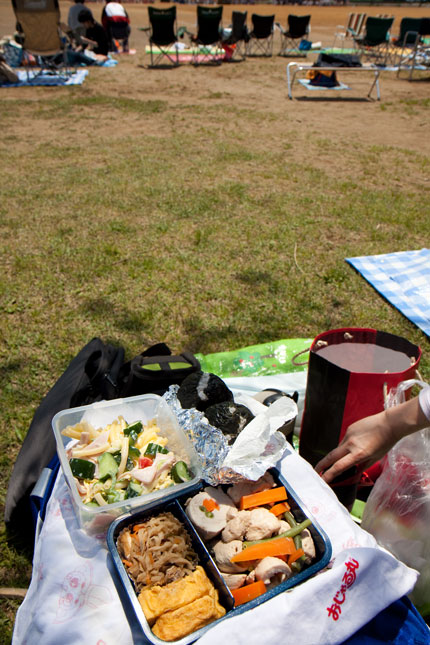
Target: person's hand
x,y
364,443
369,439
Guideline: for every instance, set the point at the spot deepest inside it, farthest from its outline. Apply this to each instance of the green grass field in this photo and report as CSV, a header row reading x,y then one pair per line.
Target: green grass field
x,y
207,223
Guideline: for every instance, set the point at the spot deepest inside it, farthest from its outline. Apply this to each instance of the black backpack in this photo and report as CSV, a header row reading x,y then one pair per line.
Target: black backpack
x,y
88,378
96,373
154,370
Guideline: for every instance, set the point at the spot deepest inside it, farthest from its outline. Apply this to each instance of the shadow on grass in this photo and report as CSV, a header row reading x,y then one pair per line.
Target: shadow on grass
x,y
425,79
336,99
201,340
254,277
8,369
126,319
166,66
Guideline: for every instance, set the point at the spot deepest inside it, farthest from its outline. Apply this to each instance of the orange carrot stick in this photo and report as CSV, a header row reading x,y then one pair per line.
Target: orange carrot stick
x,y
295,556
127,563
264,497
249,592
280,546
278,509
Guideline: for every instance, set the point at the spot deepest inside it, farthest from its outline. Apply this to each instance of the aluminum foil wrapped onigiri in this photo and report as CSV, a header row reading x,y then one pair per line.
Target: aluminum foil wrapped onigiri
x,y
201,389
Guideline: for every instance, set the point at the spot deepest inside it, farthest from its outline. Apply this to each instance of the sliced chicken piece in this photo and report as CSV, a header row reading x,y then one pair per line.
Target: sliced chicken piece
x,y
250,577
124,544
84,438
232,512
208,523
247,488
269,567
223,552
148,475
234,580
236,528
284,526
308,545
263,524
224,502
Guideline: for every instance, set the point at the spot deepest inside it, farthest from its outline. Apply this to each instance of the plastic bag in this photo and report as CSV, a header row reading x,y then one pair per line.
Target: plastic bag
x,y
397,512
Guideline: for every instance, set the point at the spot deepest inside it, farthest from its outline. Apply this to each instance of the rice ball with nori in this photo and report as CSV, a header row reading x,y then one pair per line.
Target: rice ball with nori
x,y
229,417
200,390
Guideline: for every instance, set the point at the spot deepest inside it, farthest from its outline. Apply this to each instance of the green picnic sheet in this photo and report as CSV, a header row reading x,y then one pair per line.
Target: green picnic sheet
x,y
259,360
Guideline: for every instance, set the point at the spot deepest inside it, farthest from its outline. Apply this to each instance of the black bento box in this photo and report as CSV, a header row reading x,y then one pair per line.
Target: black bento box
x,y
176,506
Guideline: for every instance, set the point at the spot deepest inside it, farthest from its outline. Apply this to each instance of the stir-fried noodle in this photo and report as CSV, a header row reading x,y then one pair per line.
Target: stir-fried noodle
x,y
157,551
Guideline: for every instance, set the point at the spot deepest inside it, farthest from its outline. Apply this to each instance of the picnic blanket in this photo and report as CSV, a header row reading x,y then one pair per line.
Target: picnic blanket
x,y
34,78
187,55
78,601
403,278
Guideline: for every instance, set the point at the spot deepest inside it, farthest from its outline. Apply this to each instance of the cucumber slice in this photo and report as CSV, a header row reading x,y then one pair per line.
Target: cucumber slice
x,y
117,456
152,449
107,466
133,428
180,472
113,496
133,490
133,453
82,468
132,438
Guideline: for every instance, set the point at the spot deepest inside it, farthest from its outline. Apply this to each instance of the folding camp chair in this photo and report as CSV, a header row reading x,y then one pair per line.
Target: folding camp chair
x,y
162,35
239,36
352,30
416,56
38,23
291,38
407,40
260,41
374,43
207,44
408,31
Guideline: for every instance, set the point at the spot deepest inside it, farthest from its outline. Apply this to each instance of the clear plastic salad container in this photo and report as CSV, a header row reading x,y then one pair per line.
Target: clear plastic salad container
x,y
95,520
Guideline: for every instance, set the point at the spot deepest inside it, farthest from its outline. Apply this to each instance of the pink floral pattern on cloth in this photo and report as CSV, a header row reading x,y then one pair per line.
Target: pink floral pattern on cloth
x,y
78,591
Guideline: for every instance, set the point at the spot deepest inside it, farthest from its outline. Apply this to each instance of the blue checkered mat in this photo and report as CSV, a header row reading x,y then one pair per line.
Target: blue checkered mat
x,y
403,278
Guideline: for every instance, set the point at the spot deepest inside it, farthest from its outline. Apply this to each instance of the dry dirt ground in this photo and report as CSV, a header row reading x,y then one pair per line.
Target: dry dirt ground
x,y
260,83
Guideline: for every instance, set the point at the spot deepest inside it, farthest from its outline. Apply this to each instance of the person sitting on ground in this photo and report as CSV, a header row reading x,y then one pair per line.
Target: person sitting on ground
x,y
114,16
7,75
369,439
76,28
95,36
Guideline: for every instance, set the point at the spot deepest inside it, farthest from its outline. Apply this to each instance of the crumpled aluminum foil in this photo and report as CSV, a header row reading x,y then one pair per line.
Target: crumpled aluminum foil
x,y
258,447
